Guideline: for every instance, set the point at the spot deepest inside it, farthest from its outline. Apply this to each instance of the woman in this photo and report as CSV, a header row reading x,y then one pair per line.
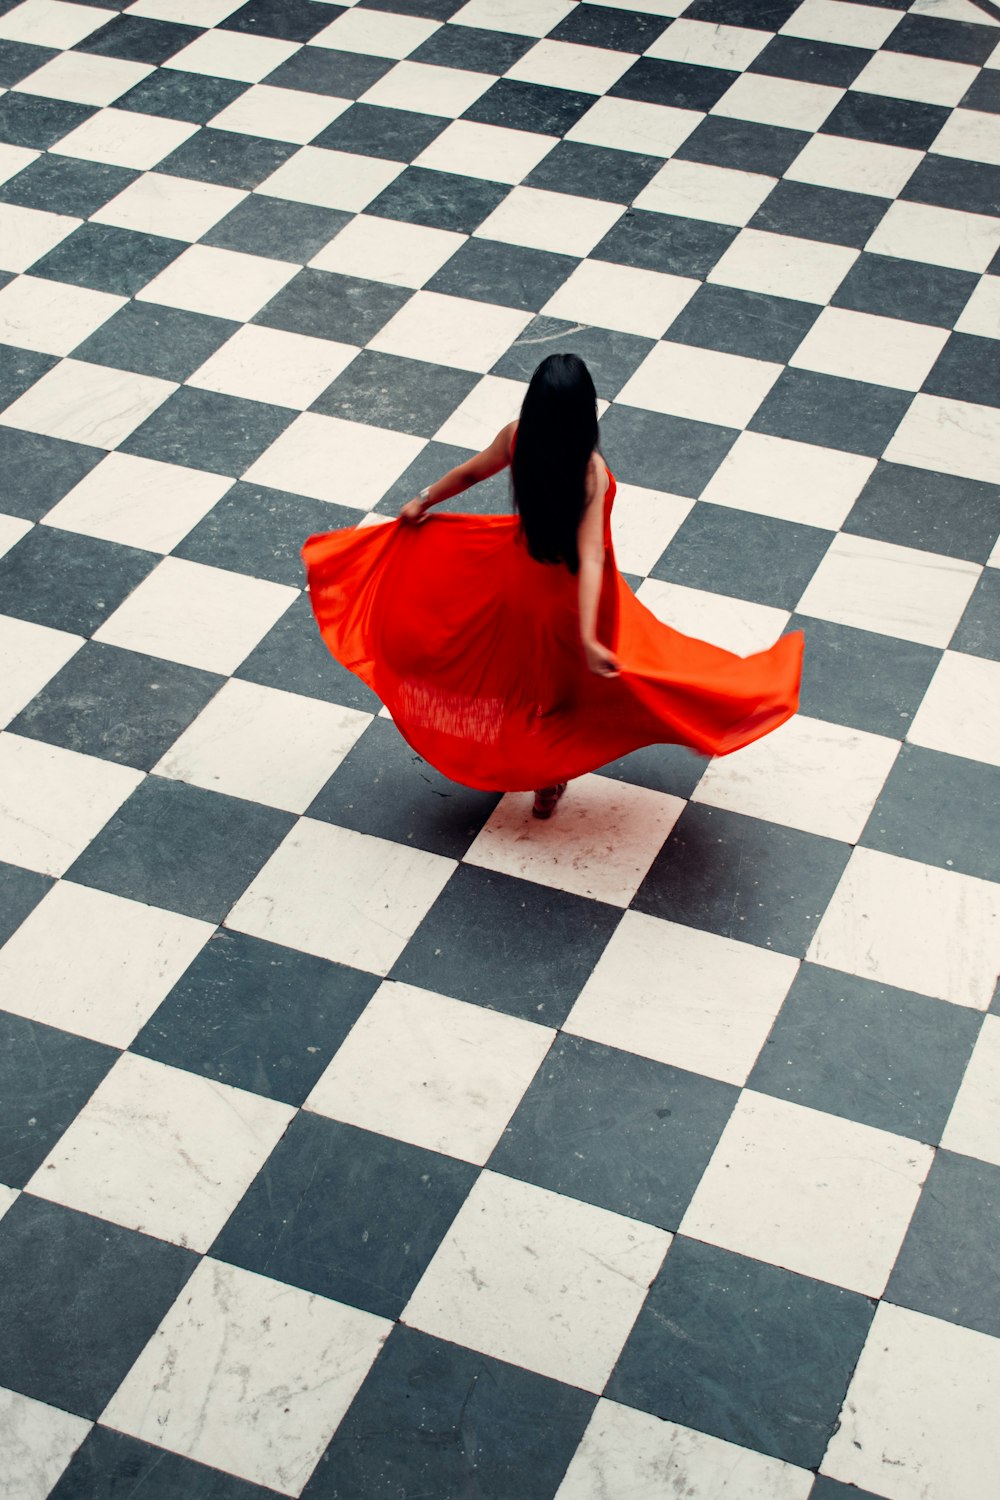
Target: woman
x,y
508,649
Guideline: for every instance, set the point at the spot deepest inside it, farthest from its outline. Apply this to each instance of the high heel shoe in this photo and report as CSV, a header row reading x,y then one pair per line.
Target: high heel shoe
x,y
546,799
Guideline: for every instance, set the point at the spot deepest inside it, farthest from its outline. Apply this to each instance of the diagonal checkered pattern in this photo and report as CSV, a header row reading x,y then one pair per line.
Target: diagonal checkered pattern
x,y
359,1138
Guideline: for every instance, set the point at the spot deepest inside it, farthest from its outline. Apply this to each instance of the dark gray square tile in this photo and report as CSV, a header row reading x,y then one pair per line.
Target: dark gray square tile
x,y
530,106
662,768
867,1052
743,555
206,430
227,157
951,182
368,130
611,357
321,70
18,59
288,20
69,582
260,531
136,39
108,259
431,10
856,677
118,1467
405,395
810,61
748,323
440,200
182,848
38,470
933,512
765,15
831,1489
27,120
984,93
616,30
292,657
661,452
20,892
195,97
472,48
746,1351
512,275
891,122
277,228
679,85
19,369
978,631
967,369
327,306
256,1016
940,810
933,36
508,944
743,878
664,242
63,184
819,213
346,1214
743,145
852,415
46,1077
908,289
594,172
492,498
153,340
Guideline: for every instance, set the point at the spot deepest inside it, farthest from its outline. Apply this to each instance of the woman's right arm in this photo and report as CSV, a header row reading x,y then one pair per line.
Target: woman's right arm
x,y
482,466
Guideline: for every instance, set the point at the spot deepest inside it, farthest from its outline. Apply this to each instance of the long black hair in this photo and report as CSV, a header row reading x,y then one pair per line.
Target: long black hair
x,y
556,435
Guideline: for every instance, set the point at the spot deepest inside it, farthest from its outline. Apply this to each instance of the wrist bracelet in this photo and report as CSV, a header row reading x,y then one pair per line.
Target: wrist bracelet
x,y
424,492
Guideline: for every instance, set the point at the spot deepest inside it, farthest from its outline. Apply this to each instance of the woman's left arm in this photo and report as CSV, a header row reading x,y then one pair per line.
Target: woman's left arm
x,y
481,466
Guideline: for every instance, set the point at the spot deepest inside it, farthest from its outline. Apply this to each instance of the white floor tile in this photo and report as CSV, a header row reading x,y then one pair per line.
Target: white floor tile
x,y
26,234
82,79
186,12
936,236
971,135
31,654
643,523
95,964
836,21
139,502
175,207
778,101
54,801
601,843
558,1283
436,1072
854,166
14,159
220,283
52,23
381,890
487,151
919,1418
960,712
249,1376
567,65
709,44
330,179
489,406
953,437
232,54
734,624
695,190
279,114
388,250
801,482
914,926
427,90
684,997
924,80
52,316
39,1442
272,365
327,458
457,331
86,403
375,33
862,346
782,266
973,1126
632,125
522,17
981,314
125,139
550,221
626,298
12,529
701,384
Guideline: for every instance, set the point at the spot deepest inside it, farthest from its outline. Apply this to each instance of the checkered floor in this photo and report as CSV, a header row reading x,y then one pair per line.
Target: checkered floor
x,y
360,1138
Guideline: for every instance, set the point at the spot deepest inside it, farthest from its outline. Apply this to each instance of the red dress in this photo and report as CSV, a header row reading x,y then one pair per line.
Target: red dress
x,y
475,650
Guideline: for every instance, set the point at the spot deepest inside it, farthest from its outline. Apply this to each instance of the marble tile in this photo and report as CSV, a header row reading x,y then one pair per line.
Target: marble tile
x,y
691,999
791,481
138,502
428,90
49,316
937,236
535,18
782,266
981,314
84,80
853,166
778,101
159,1150
697,190
185,12
960,712
918,1418
861,346
388,250
201,616
328,458
50,23
894,921
632,125
375,33
710,44
970,135
626,298
892,590
736,625
590,70
94,964
383,889
279,114
54,801
927,80
558,1283
39,1441
436,1072
643,524
490,405
86,403
221,283
331,179
951,437
232,54
14,159
32,654
464,334
12,529
489,151
702,384
176,207
973,1126
125,139
848,24
550,221
629,1452
271,364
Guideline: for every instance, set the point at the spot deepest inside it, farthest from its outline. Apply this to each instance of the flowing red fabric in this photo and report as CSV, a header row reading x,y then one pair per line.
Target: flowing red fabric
x,y
475,650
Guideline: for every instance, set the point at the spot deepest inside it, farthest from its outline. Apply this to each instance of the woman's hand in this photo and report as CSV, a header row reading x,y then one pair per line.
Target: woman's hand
x,y
414,510
600,660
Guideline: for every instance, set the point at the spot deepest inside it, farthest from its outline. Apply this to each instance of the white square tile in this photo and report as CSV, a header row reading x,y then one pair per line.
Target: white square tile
x,y
684,380
342,895
778,101
892,590
39,1442
734,624
388,250
973,1126
861,346
426,89
53,802
26,234
774,476
31,654
221,283
919,1418
87,403
187,12
12,529
8,1197
200,616
330,179
376,33
937,236
139,502
14,159
327,458
981,314
812,1192
926,80
438,1073
52,316
956,10
694,190
232,54
550,221
626,298
838,161
960,712
895,921
567,65
820,777
83,79
971,135
691,999
708,44
643,523
162,1151
175,207
487,151
625,1452
953,437
557,1283
782,266
260,743
248,1375
603,840
124,138
465,334
96,965
272,365
837,21
52,23
490,405
522,17
279,114
631,125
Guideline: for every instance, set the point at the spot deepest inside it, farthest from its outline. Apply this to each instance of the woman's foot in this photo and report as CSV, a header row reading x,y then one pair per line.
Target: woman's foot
x,y
546,799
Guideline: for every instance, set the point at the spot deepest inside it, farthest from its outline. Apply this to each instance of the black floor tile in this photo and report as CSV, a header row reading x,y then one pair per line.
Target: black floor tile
x,y
831,1489
175,95
666,243
255,1016
984,93
743,555
931,36
530,106
472,49
277,228
346,1214
663,453
820,213
933,512
292,657
182,848
118,1467
616,30
431,10
46,1077
490,271
121,706
611,357
383,787
320,70
439,200
19,369
288,20
662,768
967,369
743,878
369,130
676,84
811,62
69,582
260,531
108,259
908,289
743,145
973,187
748,323
978,631
153,340
408,1430
746,1351
508,944
227,157
594,172
20,892
18,59
861,679
136,39
765,15
867,1052
891,122
852,415
344,308
62,184
490,499
206,430
81,1299
941,810
405,395
38,471
27,120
